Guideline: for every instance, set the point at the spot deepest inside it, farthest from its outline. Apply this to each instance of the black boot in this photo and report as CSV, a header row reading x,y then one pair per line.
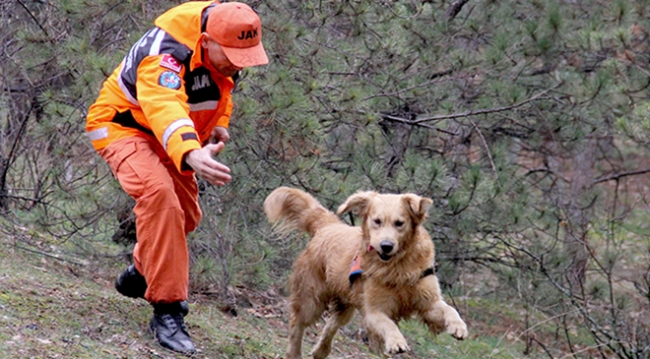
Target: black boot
x,y
132,284
168,327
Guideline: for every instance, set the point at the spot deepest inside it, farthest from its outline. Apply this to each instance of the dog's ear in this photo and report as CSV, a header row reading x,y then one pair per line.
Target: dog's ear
x,y
417,206
358,203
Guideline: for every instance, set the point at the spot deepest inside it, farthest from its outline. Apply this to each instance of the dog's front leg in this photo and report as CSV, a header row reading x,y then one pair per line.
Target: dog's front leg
x,y
381,325
442,315
338,319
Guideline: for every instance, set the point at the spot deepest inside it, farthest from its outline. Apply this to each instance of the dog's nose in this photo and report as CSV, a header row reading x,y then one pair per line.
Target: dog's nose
x,y
386,246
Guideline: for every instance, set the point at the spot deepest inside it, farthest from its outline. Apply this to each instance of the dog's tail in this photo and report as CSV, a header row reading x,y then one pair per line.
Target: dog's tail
x,y
292,208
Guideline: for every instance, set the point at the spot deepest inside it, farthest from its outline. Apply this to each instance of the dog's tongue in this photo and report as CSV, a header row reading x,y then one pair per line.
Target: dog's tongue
x,y
370,248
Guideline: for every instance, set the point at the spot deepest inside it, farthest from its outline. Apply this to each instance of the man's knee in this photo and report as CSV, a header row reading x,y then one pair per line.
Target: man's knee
x,y
160,195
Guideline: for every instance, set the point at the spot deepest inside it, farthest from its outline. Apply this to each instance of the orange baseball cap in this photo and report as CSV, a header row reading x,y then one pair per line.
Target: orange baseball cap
x,y
238,29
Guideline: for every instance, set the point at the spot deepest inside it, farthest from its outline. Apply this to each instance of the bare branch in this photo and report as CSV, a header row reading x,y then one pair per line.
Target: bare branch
x,y
548,170
455,8
642,70
34,18
487,149
410,122
488,110
617,176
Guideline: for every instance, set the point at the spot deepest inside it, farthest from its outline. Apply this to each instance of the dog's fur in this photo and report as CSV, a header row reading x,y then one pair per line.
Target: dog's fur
x,y
395,252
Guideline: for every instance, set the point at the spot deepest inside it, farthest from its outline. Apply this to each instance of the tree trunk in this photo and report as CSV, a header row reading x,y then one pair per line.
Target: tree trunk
x,y
578,209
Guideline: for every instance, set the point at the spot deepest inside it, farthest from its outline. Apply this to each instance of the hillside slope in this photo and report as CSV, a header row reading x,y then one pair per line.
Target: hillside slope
x,y
50,308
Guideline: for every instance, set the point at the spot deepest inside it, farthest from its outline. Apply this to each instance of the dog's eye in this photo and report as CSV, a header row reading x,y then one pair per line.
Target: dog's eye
x,y
377,221
399,223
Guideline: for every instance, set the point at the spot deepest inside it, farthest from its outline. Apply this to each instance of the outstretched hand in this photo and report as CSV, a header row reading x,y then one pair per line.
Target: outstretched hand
x,y
203,163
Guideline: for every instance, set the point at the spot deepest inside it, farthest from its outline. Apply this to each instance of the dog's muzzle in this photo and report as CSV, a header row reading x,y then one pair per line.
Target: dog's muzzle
x,y
386,247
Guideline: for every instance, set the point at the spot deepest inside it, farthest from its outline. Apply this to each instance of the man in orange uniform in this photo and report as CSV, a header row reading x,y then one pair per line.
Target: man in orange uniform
x,y
159,119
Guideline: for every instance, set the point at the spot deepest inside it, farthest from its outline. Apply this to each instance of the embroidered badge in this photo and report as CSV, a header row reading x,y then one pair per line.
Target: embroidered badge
x,y
170,80
169,62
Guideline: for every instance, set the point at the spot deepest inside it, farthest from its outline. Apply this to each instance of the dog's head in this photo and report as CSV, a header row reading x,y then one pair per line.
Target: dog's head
x,y
389,220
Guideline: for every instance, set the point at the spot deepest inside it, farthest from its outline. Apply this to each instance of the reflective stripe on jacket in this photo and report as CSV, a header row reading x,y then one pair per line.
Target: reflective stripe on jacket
x,y
162,91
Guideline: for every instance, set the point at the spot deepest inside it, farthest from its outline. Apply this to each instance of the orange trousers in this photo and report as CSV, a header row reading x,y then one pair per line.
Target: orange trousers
x,y
166,211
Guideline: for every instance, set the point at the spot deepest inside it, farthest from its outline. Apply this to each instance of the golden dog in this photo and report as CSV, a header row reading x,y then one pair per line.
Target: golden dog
x,y
396,255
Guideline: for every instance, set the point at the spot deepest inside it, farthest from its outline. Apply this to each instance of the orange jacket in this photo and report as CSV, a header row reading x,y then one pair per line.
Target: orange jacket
x,y
162,91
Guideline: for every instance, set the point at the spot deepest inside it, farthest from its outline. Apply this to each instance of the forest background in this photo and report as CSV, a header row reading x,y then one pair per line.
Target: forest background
x,y
526,122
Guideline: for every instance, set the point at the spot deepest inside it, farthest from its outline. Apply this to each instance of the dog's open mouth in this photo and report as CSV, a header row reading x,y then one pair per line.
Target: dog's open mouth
x,y
384,257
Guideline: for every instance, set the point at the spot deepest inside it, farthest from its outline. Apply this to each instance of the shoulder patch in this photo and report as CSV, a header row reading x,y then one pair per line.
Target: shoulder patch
x,y
169,62
170,80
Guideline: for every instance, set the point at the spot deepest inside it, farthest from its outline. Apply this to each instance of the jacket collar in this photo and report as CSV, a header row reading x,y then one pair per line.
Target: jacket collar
x,y
184,23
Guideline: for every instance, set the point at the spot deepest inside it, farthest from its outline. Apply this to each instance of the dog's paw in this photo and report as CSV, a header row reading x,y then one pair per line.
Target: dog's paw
x,y
396,346
458,329
321,351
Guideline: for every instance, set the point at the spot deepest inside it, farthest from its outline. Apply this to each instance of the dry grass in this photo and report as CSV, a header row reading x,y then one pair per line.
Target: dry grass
x,y
54,309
